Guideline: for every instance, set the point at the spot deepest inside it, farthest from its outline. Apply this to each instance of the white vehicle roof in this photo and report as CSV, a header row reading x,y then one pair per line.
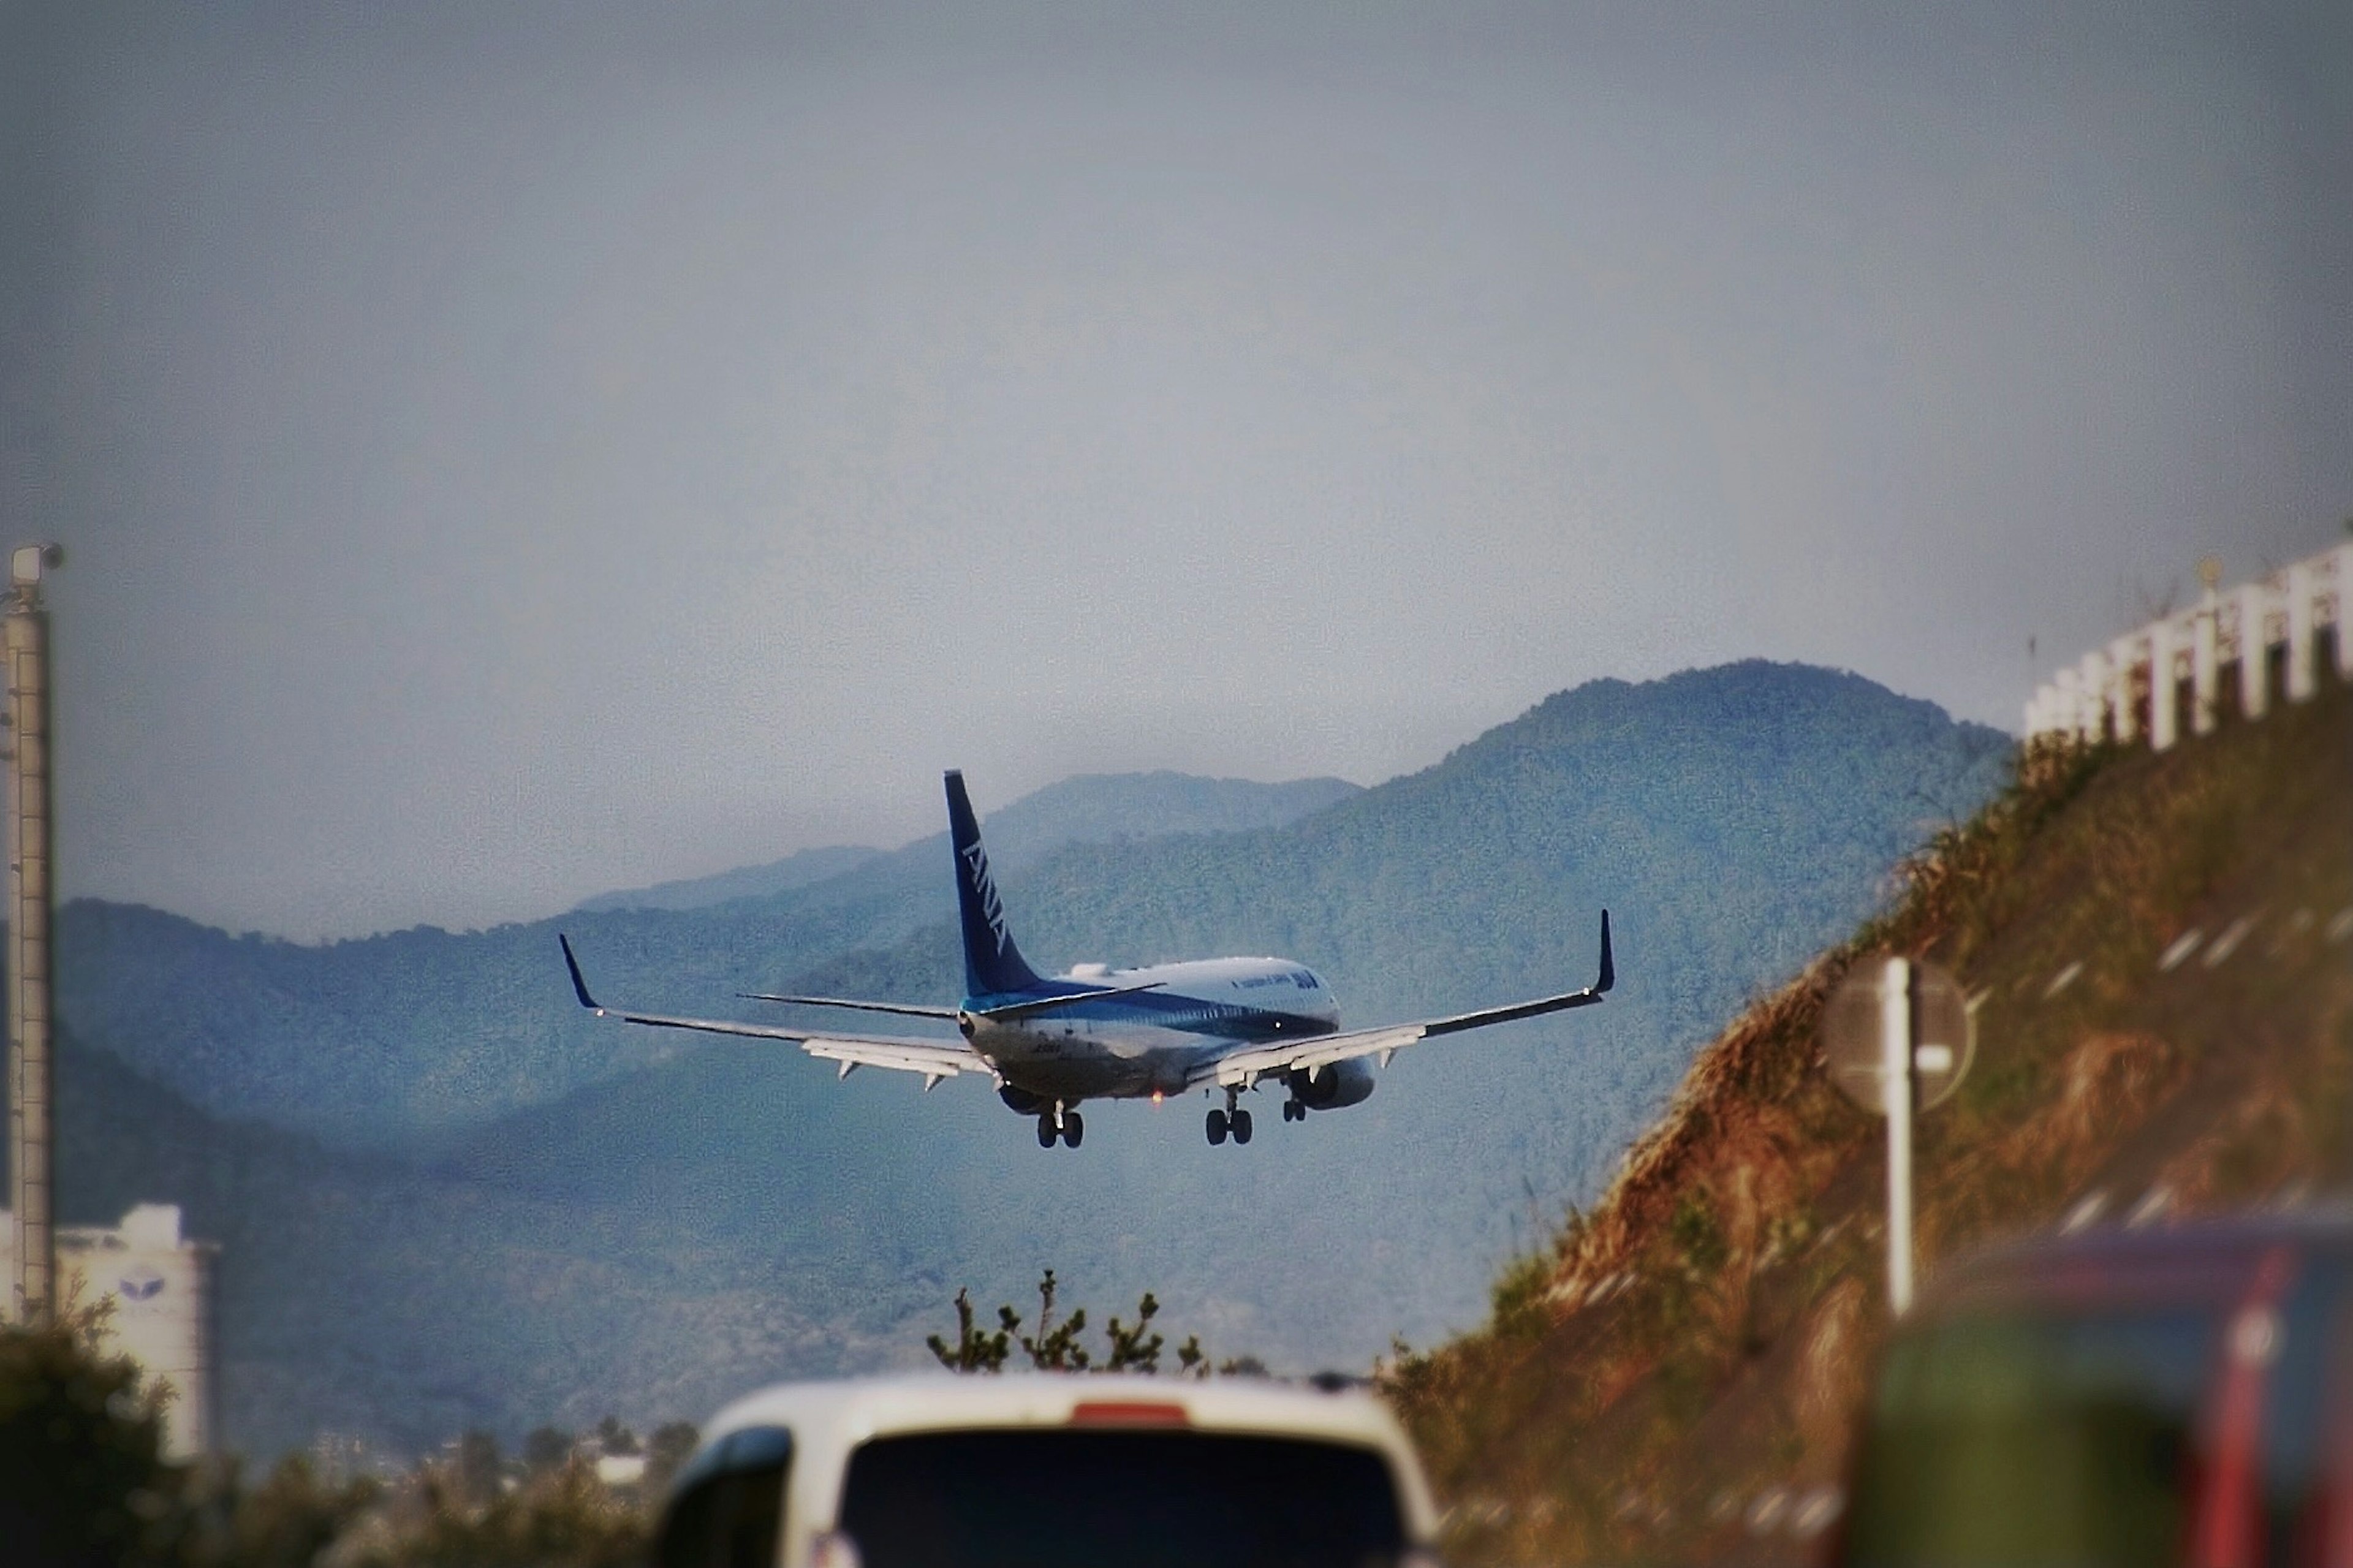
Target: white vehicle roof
x,y
829,1420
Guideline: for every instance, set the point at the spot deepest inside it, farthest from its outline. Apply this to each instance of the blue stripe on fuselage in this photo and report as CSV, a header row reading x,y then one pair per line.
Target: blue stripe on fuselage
x,y
1163,1010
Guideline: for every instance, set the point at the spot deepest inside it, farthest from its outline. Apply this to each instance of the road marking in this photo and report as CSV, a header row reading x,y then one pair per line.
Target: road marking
x,y
2228,942
2295,926
2183,946
2151,1207
1817,1511
2085,1211
1767,1511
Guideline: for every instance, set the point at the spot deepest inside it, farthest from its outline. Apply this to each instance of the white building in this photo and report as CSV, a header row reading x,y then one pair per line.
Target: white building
x,y
161,1287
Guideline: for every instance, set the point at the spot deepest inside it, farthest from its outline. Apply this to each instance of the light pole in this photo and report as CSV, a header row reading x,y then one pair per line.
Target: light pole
x,y
24,642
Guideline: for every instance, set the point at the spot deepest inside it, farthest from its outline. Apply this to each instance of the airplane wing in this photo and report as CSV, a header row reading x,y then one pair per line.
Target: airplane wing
x,y
1241,1068
1022,1009
935,1060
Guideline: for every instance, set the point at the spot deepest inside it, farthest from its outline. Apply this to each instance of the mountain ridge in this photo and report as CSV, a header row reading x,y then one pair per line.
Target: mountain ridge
x,y
1081,808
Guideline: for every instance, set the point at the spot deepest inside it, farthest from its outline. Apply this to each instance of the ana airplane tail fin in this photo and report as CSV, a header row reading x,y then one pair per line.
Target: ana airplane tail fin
x,y
993,965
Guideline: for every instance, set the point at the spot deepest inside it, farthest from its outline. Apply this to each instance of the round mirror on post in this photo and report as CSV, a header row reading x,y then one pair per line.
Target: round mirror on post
x,y
1897,1039
1944,1035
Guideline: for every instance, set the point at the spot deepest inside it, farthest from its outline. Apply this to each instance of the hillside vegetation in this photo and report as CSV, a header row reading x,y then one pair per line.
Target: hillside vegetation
x,y
2162,951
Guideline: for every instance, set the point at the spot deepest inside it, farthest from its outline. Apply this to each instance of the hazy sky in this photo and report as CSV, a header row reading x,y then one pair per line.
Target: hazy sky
x,y
505,459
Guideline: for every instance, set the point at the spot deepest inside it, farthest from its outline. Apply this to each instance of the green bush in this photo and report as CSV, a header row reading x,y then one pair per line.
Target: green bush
x,y
82,1478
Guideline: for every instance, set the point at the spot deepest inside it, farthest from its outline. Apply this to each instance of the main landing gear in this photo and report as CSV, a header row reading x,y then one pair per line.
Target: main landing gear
x,y
1294,1111
1232,1119
1056,1125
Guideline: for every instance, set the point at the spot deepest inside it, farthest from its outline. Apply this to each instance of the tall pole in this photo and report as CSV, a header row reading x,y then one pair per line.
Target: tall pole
x,y
25,646
1897,1082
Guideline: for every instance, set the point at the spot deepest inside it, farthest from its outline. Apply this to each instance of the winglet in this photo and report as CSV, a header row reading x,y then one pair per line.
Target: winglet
x,y
579,986
1609,969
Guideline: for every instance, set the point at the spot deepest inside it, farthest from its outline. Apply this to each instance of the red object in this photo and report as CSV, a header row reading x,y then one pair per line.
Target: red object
x,y
2228,1529
1128,1413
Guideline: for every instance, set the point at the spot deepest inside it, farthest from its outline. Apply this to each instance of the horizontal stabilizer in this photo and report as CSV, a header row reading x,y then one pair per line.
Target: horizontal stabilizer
x,y
932,1059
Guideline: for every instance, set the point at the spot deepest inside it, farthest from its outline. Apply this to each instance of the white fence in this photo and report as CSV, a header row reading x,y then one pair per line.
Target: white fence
x,y
2232,651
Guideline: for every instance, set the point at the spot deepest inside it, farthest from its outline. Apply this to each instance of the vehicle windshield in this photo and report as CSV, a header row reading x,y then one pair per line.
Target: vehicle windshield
x,y
1063,1499
2034,1441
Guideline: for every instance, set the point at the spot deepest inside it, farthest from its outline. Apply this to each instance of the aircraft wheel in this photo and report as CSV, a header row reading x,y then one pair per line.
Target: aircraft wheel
x,y
1045,1132
1074,1128
1217,1127
1240,1119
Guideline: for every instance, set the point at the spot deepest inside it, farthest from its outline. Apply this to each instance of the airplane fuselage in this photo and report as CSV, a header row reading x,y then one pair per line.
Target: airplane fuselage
x,y
1175,1017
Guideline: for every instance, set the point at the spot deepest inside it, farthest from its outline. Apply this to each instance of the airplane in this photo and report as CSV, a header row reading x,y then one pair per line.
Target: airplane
x,y
1220,1025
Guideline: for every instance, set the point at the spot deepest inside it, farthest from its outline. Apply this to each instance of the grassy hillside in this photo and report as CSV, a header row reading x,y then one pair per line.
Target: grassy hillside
x,y
2163,945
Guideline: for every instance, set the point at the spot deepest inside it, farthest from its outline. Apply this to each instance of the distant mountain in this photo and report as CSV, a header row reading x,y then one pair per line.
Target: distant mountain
x,y
1084,808
794,870
1090,808
1110,808
728,1209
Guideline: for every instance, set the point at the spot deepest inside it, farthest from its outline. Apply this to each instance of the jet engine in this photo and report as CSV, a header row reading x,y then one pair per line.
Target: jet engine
x,y
1329,1088
1021,1100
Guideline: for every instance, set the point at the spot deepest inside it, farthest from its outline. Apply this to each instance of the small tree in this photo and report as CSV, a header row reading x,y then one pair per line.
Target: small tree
x,y
480,1467
291,1517
974,1350
82,1478
1056,1346
547,1448
1135,1349
666,1449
